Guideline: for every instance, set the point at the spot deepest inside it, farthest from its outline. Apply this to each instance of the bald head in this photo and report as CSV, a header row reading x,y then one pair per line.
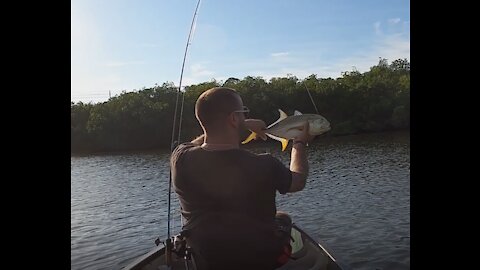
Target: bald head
x,y
214,105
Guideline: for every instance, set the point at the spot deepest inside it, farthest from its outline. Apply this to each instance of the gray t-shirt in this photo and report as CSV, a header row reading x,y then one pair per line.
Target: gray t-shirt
x,y
228,201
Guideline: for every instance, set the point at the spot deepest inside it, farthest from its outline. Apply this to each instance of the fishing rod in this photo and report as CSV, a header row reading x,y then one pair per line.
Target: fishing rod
x,y
189,41
172,143
192,27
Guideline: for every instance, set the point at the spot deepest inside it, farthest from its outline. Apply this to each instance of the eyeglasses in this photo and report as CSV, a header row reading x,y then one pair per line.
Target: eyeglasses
x,y
245,110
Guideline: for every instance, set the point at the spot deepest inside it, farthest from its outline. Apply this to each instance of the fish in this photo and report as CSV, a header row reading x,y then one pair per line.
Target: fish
x,y
289,127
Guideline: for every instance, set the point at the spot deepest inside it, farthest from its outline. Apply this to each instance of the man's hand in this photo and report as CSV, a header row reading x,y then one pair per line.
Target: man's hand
x,y
305,135
257,126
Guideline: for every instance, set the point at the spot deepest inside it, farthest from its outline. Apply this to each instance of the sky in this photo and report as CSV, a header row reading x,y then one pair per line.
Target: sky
x,y
127,45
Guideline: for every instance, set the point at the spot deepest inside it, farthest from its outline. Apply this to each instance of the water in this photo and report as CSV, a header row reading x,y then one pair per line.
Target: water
x,y
356,202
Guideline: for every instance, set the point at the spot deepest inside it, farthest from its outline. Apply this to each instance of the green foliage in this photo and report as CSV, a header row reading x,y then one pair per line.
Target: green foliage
x,y
377,100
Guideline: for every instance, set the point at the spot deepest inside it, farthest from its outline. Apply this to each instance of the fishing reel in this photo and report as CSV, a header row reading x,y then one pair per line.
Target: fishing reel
x,y
178,245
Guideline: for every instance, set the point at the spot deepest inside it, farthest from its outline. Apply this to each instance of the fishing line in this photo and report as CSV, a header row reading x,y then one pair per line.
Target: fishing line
x,y
311,97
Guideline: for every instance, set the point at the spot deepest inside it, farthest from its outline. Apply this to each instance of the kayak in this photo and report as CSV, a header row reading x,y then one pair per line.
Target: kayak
x,y
306,254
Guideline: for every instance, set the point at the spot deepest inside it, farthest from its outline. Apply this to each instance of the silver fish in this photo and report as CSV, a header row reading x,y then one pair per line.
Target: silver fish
x,y
289,127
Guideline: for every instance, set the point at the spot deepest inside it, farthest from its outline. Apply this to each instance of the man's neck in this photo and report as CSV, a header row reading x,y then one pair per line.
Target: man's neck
x,y
214,143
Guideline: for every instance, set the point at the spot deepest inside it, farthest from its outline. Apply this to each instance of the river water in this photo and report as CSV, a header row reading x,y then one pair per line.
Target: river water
x,y
356,202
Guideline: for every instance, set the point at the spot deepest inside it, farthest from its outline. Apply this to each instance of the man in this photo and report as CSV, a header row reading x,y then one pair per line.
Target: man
x,y
227,194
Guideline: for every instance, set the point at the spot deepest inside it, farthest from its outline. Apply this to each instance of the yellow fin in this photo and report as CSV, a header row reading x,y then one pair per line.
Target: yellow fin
x,y
252,136
282,140
284,144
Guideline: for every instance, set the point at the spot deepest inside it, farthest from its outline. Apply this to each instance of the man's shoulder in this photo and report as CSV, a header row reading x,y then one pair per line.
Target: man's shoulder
x,y
184,147
181,149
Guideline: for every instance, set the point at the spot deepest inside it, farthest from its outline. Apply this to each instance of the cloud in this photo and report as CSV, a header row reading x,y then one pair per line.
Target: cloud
x,y
198,73
394,20
394,26
97,88
279,54
394,47
391,42
391,46
200,70
395,44
282,58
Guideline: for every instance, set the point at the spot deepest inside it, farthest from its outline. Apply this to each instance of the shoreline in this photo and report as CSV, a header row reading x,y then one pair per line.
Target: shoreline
x,y
327,138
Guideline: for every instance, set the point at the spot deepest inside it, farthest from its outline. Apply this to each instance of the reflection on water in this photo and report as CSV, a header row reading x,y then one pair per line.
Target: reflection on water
x,y
356,202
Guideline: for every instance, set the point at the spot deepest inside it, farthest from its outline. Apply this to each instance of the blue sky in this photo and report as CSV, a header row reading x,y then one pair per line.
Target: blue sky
x,y
125,45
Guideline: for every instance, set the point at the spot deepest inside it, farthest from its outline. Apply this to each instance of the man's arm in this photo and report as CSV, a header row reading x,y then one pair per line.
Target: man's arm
x,y
257,126
299,161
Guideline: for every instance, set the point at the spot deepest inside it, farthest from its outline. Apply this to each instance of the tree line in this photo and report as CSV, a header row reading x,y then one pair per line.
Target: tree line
x,y
373,101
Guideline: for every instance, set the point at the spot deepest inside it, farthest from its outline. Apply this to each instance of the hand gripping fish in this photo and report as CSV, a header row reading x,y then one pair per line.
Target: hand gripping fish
x,y
288,127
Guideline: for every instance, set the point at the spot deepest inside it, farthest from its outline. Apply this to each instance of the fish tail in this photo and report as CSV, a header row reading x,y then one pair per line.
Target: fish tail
x,y
252,136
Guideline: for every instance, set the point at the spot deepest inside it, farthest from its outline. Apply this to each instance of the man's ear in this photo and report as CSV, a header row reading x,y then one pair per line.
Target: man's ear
x,y
234,120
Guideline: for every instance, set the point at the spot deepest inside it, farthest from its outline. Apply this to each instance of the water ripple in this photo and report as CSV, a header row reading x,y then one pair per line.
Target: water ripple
x,y
356,202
